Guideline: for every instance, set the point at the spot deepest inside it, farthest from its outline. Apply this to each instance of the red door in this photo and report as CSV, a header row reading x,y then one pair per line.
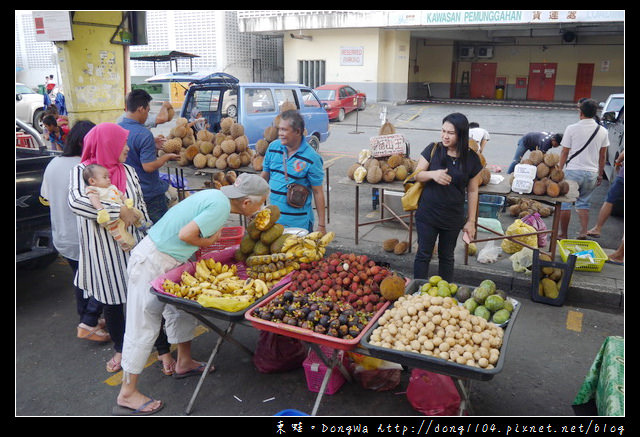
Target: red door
x,y
483,80
584,80
542,81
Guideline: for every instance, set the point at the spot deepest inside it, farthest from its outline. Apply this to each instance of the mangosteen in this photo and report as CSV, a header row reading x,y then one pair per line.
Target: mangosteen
x,y
333,332
324,321
307,325
354,331
334,323
343,318
320,329
278,313
266,314
313,306
287,296
313,316
292,321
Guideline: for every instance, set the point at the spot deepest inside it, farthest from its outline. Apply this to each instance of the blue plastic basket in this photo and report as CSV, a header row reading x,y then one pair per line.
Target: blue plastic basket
x,y
291,412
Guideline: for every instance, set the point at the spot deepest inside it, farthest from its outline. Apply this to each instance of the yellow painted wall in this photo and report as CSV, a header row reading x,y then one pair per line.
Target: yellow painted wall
x,y
395,48
433,58
93,69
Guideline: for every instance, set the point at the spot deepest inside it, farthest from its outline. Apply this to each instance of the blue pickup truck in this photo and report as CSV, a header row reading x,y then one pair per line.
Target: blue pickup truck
x,y
253,105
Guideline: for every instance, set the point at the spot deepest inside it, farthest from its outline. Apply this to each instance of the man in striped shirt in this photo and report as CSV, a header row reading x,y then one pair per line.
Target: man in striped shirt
x,y
290,159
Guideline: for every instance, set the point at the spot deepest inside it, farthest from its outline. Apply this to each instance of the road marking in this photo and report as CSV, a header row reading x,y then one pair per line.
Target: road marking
x,y
574,321
116,378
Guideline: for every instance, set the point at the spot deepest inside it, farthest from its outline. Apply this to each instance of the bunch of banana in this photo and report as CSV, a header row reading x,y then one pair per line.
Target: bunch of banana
x,y
215,279
310,247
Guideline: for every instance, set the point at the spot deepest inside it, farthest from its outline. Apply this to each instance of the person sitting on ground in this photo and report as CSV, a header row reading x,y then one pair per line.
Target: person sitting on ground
x,y
57,134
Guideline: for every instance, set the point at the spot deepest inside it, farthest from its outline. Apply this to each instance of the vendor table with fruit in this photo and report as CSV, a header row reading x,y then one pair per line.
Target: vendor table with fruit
x,y
226,176
526,205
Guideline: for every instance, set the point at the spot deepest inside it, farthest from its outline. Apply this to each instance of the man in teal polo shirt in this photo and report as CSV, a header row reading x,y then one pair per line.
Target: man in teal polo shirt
x,y
193,223
290,159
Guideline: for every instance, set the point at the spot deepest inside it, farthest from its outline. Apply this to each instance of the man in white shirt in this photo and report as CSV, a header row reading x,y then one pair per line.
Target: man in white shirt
x,y
478,134
584,165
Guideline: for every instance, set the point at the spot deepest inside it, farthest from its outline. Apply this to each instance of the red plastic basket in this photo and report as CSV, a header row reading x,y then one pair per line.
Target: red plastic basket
x,y
230,237
25,140
315,370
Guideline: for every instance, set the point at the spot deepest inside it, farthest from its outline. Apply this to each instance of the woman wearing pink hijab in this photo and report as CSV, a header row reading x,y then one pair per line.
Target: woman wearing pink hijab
x,y
102,267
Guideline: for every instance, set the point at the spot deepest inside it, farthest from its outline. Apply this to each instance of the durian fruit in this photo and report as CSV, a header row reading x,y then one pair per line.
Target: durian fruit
x,y
217,151
556,174
401,248
205,135
256,162
225,125
219,138
371,162
245,158
287,106
351,170
221,162
173,145
553,190
230,177
374,174
564,187
261,147
390,244
395,160
236,130
542,170
536,157
389,175
387,128
191,152
179,131
211,161
270,133
242,142
188,140
233,160
401,172
359,174
539,188
199,160
181,121
486,176
206,147
551,159
228,146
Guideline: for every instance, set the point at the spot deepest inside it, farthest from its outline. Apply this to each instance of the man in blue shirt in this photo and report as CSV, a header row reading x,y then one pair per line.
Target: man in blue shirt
x,y
290,159
542,141
143,154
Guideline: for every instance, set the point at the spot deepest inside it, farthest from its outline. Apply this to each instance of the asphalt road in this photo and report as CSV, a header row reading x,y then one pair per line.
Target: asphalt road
x,y
547,356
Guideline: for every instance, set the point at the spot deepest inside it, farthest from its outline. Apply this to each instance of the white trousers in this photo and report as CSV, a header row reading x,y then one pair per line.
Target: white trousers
x,y
145,310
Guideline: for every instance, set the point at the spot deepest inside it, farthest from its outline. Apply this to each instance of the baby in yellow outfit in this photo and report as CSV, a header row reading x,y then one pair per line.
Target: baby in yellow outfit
x,y
100,189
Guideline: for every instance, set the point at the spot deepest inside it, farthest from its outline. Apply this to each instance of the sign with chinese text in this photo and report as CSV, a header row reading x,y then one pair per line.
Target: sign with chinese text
x,y
387,145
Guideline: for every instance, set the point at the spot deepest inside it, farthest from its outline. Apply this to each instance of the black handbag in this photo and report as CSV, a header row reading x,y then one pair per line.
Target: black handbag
x,y
297,194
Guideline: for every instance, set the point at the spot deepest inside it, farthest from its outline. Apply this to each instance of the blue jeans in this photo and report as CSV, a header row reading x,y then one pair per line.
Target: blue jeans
x,y
520,151
157,206
587,182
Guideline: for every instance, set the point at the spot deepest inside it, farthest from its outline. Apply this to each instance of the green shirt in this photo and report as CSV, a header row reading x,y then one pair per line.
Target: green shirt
x,y
210,210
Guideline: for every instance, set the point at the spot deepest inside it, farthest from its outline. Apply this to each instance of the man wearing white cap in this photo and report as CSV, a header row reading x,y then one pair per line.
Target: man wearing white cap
x,y
193,223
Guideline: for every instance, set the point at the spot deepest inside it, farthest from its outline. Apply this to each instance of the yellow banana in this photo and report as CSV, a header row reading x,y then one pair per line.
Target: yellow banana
x,y
188,279
314,235
327,238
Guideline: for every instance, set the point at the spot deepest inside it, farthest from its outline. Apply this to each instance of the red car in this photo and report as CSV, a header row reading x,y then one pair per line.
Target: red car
x,y
338,100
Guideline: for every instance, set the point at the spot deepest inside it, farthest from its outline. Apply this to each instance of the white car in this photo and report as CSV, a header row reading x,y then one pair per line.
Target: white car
x,y
29,106
614,103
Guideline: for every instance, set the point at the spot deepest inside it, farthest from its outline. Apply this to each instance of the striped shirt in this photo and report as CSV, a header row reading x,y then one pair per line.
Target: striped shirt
x,y
102,267
304,167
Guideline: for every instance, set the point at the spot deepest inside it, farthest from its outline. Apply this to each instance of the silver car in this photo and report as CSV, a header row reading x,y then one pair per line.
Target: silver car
x,y
29,106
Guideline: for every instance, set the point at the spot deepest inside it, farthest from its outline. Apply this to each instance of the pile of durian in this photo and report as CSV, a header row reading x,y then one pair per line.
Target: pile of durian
x,y
270,134
549,179
227,149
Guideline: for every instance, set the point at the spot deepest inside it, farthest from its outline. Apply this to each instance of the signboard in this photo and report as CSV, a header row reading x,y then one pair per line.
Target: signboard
x,y
351,55
52,25
387,145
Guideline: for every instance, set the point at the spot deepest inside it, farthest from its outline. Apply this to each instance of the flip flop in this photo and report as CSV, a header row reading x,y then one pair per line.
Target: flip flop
x,y
93,333
120,410
168,371
593,235
113,366
194,372
618,263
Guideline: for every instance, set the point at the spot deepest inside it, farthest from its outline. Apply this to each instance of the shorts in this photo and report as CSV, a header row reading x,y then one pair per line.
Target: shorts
x,y
586,181
616,190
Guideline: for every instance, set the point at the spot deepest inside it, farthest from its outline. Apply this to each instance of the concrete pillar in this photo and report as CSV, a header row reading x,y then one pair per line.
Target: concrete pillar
x,y
93,70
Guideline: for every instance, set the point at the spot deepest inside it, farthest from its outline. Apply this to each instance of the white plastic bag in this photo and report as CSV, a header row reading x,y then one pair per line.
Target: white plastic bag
x,y
522,260
489,253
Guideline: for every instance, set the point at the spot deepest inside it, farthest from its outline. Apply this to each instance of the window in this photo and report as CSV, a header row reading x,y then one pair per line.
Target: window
x,y
206,101
311,73
286,96
259,100
309,99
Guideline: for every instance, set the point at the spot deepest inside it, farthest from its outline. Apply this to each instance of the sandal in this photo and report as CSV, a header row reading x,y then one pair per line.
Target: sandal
x,y
113,365
120,410
168,370
95,333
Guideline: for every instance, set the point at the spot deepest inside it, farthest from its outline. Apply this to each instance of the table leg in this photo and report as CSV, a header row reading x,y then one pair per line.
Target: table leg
x,y
331,363
227,332
554,229
464,389
357,210
328,200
